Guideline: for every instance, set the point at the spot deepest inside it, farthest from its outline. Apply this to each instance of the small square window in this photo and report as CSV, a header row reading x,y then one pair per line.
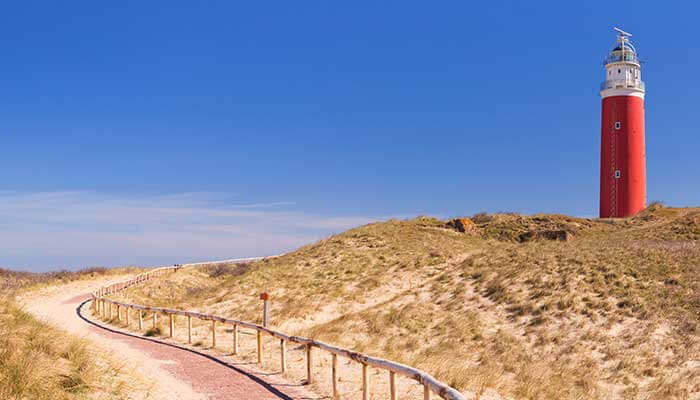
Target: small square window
x,y
617,125
617,174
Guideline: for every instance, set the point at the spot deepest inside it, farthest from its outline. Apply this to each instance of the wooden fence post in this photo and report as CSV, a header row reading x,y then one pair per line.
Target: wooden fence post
x,y
110,311
127,317
235,339
155,319
283,355
140,319
189,329
266,308
334,375
365,382
172,325
260,348
213,334
426,392
119,313
392,384
309,363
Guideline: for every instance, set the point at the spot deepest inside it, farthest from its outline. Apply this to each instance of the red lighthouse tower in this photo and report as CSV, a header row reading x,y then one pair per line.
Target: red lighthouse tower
x,y
622,154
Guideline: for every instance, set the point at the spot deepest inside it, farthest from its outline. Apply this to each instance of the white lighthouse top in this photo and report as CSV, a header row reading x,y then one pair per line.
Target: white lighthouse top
x,y
623,50
623,75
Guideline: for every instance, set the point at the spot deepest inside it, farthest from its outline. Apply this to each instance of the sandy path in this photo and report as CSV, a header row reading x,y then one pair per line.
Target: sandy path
x,y
166,371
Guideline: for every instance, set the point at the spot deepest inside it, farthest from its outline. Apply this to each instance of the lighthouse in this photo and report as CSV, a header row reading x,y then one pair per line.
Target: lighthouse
x,y
622,154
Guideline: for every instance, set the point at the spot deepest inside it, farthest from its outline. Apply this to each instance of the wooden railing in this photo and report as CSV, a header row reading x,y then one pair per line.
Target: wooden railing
x,y
103,307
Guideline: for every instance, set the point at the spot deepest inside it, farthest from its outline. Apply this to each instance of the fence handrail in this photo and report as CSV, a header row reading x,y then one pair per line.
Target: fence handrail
x,y
428,381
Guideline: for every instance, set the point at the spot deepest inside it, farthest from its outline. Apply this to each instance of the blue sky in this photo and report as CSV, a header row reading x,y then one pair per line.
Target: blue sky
x,y
159,132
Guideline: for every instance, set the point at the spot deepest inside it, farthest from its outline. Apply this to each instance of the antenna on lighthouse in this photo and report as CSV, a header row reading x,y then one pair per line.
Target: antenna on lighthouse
x,y
622,33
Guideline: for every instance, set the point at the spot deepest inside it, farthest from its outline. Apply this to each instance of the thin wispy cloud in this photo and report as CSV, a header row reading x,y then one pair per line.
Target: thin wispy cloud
x,y
49,230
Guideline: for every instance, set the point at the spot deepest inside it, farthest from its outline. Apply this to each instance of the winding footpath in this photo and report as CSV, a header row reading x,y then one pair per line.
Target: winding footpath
x,y
166,371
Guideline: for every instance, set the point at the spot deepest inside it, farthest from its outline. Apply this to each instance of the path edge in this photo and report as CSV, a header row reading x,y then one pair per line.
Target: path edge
x,y
269,387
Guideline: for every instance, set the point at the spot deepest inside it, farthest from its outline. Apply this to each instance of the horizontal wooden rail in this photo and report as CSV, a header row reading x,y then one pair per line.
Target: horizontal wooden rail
x,y
430,384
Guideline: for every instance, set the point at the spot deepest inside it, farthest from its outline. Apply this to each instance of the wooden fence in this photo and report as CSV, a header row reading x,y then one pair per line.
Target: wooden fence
x,y
103,307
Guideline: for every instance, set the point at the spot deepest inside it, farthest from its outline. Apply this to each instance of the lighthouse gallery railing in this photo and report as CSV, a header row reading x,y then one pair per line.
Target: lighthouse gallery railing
x,y
622,83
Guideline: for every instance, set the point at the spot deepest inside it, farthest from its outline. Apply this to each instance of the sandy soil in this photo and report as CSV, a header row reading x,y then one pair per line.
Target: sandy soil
x,y
156,370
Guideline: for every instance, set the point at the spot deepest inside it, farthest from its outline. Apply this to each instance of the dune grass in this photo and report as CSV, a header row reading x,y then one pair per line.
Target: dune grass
x,y
38,361
41,362
609,314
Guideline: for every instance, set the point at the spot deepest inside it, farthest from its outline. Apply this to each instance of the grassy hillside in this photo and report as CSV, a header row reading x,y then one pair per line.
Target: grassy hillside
x,y
38,361
610,313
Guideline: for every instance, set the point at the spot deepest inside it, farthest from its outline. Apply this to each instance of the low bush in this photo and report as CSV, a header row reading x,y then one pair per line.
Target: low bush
x,y
153,332
219,270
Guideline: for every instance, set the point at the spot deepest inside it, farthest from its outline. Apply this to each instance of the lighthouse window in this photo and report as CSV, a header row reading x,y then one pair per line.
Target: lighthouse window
x,y
617,125
618,71
617,174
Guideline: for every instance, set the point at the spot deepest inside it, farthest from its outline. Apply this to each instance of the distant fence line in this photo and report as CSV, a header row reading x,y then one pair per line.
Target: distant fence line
x,y
430,384
229,261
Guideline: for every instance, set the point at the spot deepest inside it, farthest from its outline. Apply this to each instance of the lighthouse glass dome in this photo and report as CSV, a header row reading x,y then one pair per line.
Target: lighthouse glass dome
x,y
623,51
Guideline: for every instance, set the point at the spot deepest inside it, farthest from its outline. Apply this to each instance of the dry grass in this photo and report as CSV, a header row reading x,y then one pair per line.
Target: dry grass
x,y
38,361
611,314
